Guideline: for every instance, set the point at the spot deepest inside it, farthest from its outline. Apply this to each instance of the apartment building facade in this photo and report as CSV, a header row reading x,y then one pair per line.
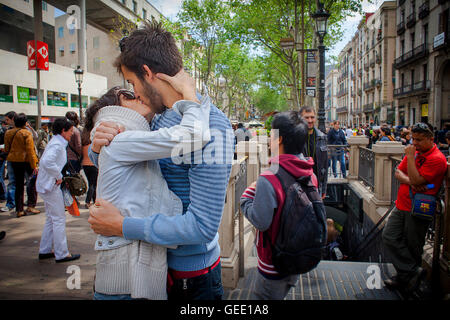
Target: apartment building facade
x,y
345,69
18,85
422,63
331,90
101,44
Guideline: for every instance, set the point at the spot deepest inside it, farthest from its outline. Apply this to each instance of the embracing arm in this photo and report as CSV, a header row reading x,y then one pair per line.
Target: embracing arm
x,y
190,135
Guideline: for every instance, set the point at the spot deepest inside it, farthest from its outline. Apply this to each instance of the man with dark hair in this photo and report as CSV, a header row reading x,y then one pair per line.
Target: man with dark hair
x,y
149,58
316,147
404,234
337,137
74,149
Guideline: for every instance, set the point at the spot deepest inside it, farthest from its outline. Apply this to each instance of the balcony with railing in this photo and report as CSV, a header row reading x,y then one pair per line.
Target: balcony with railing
x,y
401,28
366,66
411,20
421,87
372,62
342,109
378,59
368,107
415,54
424,10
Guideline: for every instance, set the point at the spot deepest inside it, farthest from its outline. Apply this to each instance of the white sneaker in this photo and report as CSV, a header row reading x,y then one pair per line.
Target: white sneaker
x,y
5,209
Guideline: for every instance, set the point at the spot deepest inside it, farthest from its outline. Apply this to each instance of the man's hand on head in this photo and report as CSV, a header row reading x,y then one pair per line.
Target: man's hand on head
x,y
104,134
183,83
105,219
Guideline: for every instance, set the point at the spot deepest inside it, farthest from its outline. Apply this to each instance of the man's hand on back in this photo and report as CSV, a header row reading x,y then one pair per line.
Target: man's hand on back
x,y
104,134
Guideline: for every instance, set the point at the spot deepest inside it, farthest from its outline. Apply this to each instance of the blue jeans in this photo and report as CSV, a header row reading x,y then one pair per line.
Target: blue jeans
x,y
2,182
11,189
205,287
339,156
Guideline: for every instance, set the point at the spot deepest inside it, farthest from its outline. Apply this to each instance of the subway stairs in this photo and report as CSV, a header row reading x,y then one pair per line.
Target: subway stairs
x,y
330,280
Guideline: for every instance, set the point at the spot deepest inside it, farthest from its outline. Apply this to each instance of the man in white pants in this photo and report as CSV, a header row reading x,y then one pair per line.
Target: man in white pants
x,y
48,186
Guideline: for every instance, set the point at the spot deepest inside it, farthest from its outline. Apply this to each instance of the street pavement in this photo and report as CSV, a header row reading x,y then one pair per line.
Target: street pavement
x,y
23,276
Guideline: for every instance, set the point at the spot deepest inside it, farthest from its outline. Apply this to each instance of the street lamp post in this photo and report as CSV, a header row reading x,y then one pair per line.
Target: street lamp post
x,y
79,80
321,17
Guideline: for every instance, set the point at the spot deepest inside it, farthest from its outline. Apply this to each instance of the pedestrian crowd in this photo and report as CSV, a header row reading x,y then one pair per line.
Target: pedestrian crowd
x,y
156,212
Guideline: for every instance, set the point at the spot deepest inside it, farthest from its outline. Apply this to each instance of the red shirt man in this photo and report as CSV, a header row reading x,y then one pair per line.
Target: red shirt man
x,y
431,165
404,235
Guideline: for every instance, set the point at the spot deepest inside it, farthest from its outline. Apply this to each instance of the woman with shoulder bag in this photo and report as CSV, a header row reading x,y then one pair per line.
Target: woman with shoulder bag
x,y
48,185
21,153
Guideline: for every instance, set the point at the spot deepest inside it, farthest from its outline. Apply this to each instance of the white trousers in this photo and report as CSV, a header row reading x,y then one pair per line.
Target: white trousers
x,y
54,233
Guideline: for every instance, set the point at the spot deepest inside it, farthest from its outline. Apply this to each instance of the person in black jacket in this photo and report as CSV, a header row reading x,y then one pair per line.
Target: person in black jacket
x,y
337,137
316,147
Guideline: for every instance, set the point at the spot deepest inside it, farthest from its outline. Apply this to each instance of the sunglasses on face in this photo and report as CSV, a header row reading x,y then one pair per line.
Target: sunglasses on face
x,y
422,126
127,94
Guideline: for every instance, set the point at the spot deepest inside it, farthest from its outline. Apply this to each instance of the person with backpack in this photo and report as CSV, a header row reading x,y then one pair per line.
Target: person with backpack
x,y
287,210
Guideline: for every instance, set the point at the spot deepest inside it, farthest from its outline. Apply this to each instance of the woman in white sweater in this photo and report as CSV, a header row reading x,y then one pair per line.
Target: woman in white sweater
x,y
130,178
48,185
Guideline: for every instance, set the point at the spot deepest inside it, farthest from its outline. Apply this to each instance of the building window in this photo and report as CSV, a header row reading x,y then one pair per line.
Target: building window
x,y
72,30
61,51
44,6
96,42
6,93
61,32
144,14
72,47
124,2
96,63
134,6
58,99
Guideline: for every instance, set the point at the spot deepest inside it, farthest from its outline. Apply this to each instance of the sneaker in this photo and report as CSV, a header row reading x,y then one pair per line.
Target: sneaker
x,y
394,283
5,209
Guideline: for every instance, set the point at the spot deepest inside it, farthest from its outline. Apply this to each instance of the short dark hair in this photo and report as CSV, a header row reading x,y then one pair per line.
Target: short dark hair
x,y
73,116
61,124
152,46
293,130
386,130
20,120
424,128
11,115
307,109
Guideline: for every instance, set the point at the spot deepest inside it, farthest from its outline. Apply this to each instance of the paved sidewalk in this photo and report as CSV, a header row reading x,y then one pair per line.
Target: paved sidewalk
x,y
23,276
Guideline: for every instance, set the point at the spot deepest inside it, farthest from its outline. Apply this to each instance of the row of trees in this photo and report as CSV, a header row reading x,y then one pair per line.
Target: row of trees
x,y
233,47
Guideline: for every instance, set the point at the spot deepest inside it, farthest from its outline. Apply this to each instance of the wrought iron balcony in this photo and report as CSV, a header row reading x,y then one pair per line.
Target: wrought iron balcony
x,y
372,63
366,66
417,88
401,28
342,110
368,107
411,20
424,10
411,56
378,59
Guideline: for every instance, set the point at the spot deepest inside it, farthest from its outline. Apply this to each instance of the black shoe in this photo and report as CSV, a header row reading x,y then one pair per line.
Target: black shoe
x,y
71,258
43,256
394,283
416,279
2,234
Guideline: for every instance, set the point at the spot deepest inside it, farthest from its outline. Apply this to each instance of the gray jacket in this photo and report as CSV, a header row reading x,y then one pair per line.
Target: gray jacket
x,y
322,160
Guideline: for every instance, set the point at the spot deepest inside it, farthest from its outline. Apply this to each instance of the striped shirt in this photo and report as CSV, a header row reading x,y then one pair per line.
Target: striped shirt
x,y
200,181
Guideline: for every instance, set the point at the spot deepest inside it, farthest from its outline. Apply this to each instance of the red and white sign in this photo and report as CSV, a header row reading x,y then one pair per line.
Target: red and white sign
x,y
37,58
